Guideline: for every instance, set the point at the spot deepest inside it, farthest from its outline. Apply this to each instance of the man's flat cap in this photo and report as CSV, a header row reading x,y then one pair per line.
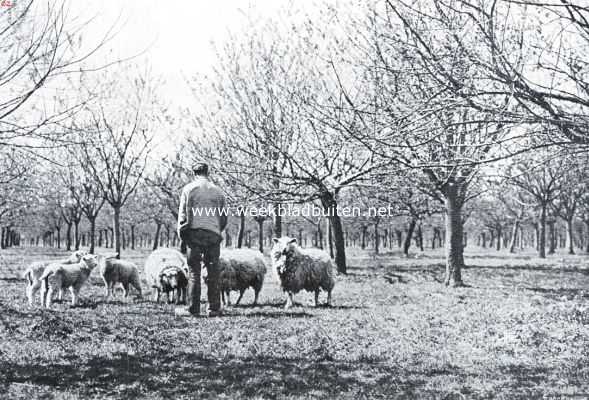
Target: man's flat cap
x,y
200,168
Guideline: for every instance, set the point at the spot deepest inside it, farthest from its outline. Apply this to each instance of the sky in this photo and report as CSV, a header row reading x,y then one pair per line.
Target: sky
x,y
176,35
175,38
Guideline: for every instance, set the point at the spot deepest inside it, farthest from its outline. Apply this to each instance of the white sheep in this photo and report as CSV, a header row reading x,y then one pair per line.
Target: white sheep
x,y
240,269
64,276
35,270
166,272
115,271
297,269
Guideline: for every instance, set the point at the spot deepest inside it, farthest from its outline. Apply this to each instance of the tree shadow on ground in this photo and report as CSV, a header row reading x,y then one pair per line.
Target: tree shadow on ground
x,y
536,268
11,279
395,274
559,292
194,375
164,376
275,314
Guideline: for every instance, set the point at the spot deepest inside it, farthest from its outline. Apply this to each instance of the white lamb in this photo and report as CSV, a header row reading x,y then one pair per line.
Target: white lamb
x,y
35,270
297,269
240,269
64,276
115,271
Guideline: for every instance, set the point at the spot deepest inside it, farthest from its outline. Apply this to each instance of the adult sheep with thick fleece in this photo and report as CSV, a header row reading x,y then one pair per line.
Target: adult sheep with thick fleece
x,y
165,270
35,270
240,269
298,269
113,271
64,276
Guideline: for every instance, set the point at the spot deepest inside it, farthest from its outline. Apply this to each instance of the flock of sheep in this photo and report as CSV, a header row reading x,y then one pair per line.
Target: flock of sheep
x,y
167,272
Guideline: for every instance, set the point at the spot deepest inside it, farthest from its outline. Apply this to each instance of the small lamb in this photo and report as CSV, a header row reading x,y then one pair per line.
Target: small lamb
x,y
33,273
172,280
115,271
63,276
297,269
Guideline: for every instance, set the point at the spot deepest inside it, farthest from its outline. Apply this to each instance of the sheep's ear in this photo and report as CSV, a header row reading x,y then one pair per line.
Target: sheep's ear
x,y
292,241
276,240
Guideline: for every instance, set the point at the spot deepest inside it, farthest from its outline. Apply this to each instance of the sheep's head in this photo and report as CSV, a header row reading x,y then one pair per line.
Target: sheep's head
x,y
172,278
76,256
91,260
283,249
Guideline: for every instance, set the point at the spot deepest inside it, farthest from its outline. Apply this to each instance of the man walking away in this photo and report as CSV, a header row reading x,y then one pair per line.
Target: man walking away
x,y
201,221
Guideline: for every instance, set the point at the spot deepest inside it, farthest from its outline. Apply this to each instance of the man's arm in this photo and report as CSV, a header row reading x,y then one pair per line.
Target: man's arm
x,y
182,217
223,215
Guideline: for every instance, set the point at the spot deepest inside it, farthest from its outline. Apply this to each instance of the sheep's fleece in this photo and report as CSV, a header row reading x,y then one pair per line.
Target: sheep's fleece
x,y
298,269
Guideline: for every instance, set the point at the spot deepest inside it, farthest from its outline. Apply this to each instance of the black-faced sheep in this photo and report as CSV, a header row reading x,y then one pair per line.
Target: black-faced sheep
x,y
115,271
34,272
64,276
240,269
298,269
166,273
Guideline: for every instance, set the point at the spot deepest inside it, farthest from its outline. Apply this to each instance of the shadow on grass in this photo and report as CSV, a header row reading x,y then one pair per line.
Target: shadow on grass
x,y
274,314
194,375
11,279
559,292
536,268
185,374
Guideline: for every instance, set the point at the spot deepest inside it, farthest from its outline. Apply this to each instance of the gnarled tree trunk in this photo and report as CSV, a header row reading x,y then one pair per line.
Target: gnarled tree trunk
x,y
330,206
454,234
514,234
409,236
542,233
241,232
92,234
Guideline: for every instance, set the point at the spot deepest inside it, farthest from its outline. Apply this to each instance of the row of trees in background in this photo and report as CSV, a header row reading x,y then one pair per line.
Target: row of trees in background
x,y
307,110
470,110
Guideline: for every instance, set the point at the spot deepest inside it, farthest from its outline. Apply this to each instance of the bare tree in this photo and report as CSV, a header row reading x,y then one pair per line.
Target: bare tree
x,y
524,74
41,43
542,180
116,142
574,186
409,117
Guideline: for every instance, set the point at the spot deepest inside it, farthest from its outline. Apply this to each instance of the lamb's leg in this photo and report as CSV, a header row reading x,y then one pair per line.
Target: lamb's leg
x,y
137,285
41,294
74,293
317,298
228,295
60,295
46,294
289,301
241,292
170,299
157,295
138,288
329,298
223,298
125,290
256,293
31,292
178,295
106,288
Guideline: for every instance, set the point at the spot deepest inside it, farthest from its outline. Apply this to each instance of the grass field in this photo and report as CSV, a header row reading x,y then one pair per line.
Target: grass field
x,y
519,330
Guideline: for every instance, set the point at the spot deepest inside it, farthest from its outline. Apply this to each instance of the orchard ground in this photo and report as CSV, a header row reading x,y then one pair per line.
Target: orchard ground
x,y
519,330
